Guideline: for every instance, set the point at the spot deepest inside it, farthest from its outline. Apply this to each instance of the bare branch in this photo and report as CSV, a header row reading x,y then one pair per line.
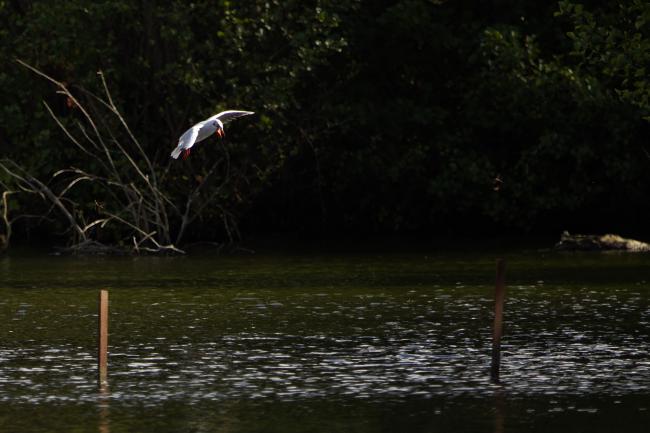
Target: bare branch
x,y
6,237
170,247
135,192
36,185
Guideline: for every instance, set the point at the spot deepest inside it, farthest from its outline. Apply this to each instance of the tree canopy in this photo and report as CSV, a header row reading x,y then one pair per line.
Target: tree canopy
x,y
396,116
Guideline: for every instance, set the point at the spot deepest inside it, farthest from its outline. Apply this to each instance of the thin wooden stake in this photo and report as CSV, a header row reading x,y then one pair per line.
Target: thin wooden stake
x,y
499,297
103,337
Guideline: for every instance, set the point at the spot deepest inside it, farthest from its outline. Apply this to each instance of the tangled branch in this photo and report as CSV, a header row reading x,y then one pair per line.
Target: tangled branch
x,y
132,200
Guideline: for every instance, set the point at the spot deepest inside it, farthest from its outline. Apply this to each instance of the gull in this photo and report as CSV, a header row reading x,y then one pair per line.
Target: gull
x,y
204,129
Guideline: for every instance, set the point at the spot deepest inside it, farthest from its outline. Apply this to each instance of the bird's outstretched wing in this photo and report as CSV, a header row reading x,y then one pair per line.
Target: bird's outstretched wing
x,y
227,116
187,140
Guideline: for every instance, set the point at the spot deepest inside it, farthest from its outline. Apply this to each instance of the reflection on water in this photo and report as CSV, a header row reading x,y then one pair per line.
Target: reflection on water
x,y
366,329
499,414
103,404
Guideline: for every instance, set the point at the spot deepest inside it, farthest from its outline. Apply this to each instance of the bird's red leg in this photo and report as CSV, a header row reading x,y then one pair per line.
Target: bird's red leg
x,y
186,153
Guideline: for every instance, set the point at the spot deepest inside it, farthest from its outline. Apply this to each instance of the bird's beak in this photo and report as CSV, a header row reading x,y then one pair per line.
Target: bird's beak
x,y
220,133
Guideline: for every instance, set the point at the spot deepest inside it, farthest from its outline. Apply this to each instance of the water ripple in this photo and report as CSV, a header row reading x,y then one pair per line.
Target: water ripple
x,y
404,358
372,342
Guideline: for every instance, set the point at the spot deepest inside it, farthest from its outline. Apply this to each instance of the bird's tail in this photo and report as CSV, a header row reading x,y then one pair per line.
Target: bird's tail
x,y
176,152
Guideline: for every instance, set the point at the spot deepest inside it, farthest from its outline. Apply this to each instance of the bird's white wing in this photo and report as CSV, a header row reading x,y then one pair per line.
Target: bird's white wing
x,y
227,116
187,140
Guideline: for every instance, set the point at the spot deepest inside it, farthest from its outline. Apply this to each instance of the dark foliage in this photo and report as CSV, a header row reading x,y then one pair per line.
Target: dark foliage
x,y
440,117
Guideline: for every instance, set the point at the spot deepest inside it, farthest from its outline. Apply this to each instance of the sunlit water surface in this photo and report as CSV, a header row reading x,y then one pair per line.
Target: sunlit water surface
x,y
365,342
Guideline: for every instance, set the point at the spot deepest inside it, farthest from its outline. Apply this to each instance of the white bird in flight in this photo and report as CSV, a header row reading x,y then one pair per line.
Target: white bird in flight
x,y
204,129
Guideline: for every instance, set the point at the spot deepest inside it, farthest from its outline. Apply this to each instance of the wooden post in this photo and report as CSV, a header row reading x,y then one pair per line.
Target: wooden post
x,y
102,357
499,297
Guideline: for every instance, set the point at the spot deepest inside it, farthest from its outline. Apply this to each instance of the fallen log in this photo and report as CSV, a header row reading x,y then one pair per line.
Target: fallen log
x,y
608,242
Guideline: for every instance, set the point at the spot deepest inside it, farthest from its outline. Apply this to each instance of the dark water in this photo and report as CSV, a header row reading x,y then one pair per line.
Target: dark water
x,y
356,342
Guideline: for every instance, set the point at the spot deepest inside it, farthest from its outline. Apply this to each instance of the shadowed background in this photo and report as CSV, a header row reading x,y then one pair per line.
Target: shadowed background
x,y
384,117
